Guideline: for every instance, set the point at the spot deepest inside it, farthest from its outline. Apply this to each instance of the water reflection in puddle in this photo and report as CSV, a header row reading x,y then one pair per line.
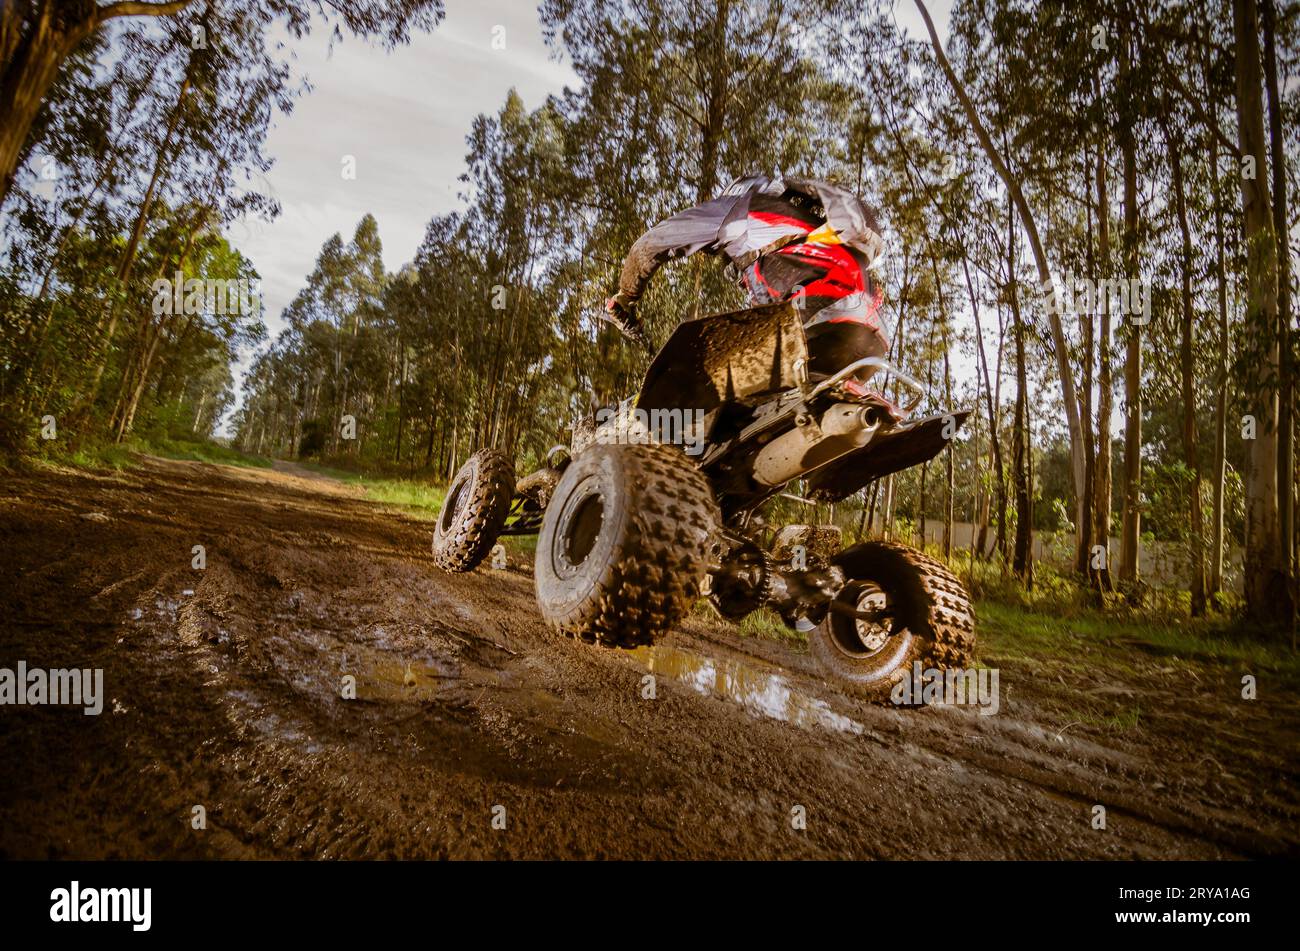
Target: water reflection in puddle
x,y
385,675
758,691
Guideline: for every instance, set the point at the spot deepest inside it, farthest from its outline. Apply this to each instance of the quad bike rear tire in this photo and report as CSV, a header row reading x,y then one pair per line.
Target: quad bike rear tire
x,y
474,511
929,619
625,544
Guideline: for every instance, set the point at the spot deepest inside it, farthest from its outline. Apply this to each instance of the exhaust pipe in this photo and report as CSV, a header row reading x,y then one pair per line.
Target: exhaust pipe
x,y
812,444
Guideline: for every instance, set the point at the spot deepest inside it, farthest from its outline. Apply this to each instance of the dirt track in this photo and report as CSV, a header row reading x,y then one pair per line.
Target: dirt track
x,y
225,689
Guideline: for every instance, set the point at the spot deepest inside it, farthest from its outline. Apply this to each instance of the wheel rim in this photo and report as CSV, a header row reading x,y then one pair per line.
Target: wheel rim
x,y
583,529
860,638
452,506
578,529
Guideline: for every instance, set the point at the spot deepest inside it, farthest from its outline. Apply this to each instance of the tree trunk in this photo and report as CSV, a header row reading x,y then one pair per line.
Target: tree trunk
x,y
126,263
1188,369
1267,597
401,397
1286,396
995,446
35,39
1221,388
978,496
1131,516
1022,560
428,448
715,105
1101,479
33,46
1083,520
950,478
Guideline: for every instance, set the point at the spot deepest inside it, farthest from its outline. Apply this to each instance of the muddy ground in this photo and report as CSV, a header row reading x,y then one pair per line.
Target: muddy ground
x,y
225,691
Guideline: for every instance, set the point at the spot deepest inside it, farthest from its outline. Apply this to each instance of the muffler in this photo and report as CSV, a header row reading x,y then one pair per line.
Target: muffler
x,y
812,444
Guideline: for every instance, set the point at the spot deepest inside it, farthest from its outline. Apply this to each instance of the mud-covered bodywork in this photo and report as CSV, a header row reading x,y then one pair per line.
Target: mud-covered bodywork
x,y
768,422
538,486
739,385
727,358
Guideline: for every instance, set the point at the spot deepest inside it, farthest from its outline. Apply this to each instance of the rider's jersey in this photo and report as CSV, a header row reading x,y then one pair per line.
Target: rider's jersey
x,y
784,239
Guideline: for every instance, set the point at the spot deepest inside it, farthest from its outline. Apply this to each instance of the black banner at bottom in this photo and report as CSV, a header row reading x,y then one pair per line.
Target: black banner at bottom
x,y
1220,901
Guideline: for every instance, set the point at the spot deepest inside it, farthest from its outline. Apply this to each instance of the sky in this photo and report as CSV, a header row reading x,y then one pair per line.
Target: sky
x,y
403,117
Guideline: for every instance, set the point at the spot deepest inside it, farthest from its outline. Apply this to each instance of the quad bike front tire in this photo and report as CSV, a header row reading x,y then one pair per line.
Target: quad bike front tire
x,y
474,511
625,544
925,615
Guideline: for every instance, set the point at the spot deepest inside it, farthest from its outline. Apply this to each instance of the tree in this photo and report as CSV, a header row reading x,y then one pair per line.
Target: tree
x,y
1267,594
1068,394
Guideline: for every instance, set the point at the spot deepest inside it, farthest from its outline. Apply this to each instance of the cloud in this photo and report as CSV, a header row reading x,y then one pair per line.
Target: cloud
x,y
403,117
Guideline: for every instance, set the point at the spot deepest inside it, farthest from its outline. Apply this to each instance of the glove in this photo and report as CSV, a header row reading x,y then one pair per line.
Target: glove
x,y
623,316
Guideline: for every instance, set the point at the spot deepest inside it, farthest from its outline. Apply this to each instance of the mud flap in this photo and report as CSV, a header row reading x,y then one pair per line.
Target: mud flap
x,y
729,357
906,445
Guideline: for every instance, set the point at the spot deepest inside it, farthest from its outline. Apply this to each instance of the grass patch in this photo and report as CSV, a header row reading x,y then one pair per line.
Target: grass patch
x,y
767,623
1121,720
1010,630
204,452
421,499
522,546
100,457
343,475
1125,719
764,623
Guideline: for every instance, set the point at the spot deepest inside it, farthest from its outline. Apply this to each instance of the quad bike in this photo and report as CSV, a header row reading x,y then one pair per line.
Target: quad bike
x,y
633,528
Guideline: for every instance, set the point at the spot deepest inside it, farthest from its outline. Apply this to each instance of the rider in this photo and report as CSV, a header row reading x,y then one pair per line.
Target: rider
x,y
783,239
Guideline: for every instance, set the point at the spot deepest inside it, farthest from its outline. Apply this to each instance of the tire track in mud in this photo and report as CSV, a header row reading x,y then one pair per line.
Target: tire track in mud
x,y
1083,773
227,692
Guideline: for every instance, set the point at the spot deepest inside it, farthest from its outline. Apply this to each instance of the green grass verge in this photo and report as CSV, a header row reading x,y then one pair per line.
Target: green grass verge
x,y
1088,637
1006,630
118,456
421,499
204,452
95,458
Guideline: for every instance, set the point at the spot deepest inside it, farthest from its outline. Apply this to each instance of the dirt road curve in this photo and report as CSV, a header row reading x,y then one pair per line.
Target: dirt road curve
x,y
225,692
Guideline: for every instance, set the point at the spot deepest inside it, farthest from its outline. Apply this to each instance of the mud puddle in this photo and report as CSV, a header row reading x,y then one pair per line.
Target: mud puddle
x,y
761,692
